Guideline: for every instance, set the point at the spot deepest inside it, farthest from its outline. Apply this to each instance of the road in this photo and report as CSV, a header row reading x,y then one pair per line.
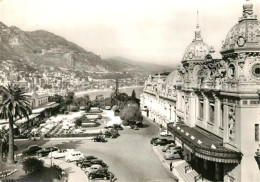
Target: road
x,y
130,157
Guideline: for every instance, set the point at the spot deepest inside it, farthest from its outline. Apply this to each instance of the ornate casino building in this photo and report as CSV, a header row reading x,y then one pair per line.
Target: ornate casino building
x,y
211,103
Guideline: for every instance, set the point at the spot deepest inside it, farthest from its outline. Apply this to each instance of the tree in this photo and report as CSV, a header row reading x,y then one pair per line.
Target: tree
x,y
133,96
69,99
56,98
15,104
131,113
78,122
117,87
32,165
99,101
82,101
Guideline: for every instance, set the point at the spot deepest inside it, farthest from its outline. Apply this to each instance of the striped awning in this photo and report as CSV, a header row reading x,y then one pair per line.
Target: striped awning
x,y
202,149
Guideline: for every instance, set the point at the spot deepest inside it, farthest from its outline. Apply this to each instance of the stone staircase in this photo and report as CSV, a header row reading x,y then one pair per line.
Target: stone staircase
x,y
189,176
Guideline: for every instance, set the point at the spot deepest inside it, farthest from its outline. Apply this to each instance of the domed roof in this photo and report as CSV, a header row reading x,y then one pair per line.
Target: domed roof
x,y
173,78
245,34
197,50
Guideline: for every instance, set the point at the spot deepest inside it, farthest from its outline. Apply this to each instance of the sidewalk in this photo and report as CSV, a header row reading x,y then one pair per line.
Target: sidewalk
x,y
75,174
166,163
178,166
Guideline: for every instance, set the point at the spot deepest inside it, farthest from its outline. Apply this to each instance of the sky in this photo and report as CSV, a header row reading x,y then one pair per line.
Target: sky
x,y
156,31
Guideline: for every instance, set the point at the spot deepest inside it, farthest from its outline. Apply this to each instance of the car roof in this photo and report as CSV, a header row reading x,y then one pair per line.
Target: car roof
x,y
33,146
97,160
96,165
88,156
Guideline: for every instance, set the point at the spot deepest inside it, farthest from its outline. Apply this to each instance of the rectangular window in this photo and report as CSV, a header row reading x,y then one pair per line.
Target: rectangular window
x,y
222,115
257,132
211,113
201,109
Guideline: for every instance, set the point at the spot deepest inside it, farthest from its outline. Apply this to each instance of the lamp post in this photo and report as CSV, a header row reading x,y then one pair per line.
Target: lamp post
x,y
51,154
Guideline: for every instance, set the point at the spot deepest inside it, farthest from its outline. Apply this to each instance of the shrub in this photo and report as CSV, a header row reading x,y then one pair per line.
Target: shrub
x,y
32,165
125,123
78,122
74,108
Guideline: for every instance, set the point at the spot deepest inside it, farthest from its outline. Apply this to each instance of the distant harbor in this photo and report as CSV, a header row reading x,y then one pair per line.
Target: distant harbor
x,y
128,90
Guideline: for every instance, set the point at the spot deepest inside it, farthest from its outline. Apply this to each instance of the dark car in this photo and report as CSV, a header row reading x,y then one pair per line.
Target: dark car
x,y
46,151
117,127
85,165
163,141
99,138
102,174
100,162
114,133
32,150
108,134
153,139
86,159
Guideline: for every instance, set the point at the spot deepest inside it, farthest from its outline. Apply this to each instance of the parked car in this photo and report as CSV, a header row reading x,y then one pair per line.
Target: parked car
x,y
85,165
114,133
165,133
178,148
103,174
163,141
173,154
107,134
134,127
166,147
153,139
60,153
86,159
31,150
94,167
46,151
99,138
118,127
22,136
100,162
74,156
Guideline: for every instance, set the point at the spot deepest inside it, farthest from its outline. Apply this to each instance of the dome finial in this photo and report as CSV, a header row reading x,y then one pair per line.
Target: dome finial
x,y
248,13
197,31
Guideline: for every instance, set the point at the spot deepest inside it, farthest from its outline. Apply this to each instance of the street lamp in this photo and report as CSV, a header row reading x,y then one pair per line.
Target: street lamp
x,y
51,154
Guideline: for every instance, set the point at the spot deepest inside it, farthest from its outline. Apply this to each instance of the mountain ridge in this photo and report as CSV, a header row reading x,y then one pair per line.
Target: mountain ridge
x,y
43,48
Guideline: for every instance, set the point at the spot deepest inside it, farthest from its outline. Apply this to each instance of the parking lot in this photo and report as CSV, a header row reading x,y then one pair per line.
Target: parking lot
x,y
130,157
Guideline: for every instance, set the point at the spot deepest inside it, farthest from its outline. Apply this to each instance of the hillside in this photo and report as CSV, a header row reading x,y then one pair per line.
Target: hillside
x,y
41,48
130,65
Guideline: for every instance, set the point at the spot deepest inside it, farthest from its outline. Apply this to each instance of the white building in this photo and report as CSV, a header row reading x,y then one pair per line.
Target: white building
x,y
211,103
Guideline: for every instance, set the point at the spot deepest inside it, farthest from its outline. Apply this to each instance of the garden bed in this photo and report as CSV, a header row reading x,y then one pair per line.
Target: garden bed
x,y
47,174
70,135
88,125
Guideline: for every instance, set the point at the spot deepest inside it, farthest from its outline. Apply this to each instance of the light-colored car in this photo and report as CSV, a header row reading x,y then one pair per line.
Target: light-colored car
x,y
76,155
166,147
171,154
165,133
94,167
178,148
60,153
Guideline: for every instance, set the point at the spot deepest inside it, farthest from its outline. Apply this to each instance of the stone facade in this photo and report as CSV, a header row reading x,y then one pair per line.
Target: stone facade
x,y
217,94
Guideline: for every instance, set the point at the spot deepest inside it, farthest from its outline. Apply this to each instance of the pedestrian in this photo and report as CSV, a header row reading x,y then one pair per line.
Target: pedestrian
x,y
171,166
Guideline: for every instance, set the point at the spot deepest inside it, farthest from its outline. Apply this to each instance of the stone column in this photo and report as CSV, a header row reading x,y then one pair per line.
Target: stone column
x,y
217,114
205,110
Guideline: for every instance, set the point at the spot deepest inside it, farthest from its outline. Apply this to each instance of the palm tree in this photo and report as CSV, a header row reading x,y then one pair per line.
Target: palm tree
x,y
15,104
